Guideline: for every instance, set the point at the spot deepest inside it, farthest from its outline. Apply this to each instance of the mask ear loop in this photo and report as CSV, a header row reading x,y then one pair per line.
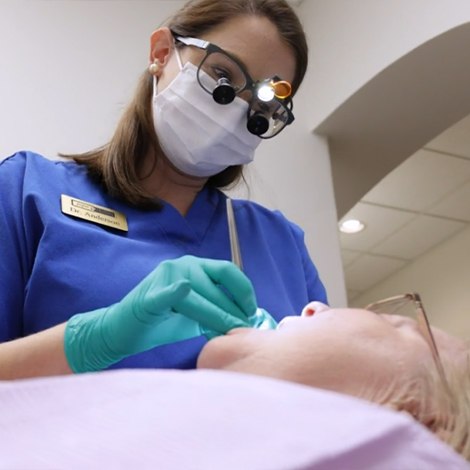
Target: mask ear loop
x,y
154,87
180,65
178,58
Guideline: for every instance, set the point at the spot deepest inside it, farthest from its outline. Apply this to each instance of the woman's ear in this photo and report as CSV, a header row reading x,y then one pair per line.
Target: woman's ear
x,y
161,46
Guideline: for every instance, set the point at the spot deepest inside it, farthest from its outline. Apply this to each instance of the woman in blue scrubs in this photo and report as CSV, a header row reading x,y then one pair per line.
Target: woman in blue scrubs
x,y
120,257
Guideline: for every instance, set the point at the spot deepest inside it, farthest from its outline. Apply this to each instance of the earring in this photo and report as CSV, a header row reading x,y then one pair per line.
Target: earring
x,y
154,68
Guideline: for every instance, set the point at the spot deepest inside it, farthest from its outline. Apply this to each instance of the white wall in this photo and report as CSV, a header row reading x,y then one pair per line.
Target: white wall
x,y
67,69
441,277
292,173
353,40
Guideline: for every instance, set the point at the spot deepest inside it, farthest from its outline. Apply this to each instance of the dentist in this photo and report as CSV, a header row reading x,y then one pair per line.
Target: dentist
x,y
119,257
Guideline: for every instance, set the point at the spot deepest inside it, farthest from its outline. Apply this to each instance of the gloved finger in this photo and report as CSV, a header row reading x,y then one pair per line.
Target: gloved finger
x,y
209,334
203,285
262,320
175,328
207,314
158,301
235,281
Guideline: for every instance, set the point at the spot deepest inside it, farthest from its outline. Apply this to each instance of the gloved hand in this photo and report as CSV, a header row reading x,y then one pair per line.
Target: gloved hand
x,y
262,320
180,299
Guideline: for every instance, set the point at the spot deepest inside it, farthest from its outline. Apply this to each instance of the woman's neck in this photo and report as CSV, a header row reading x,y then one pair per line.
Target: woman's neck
x,y
166,183
181,197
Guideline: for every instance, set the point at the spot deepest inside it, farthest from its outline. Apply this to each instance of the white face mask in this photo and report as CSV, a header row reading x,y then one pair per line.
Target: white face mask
x,y
199,136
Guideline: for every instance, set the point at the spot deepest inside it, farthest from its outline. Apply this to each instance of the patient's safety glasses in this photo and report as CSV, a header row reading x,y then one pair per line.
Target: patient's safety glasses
x,y
393,304
224,77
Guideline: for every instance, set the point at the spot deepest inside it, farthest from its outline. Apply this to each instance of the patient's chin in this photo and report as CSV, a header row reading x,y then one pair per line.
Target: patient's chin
x,y
207,355
235,349
219,352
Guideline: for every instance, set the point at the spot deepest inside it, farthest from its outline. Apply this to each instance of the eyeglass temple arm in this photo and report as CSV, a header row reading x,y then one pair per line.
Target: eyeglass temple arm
x,y
199,43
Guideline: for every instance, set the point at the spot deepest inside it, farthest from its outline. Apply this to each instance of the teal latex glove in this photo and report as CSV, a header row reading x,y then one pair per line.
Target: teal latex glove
x,y
180,299
262,320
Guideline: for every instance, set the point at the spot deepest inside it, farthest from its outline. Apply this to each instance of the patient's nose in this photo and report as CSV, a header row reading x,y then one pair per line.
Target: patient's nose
x,y
314,307
309,310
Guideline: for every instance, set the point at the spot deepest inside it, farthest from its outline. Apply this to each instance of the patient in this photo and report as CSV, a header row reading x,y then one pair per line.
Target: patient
x,y
381,358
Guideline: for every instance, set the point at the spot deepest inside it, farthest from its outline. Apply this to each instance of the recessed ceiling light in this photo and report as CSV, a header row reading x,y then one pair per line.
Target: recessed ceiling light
x,y
351,226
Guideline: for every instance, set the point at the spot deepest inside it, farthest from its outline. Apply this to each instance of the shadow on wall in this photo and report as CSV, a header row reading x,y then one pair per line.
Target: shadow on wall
x,y
396,113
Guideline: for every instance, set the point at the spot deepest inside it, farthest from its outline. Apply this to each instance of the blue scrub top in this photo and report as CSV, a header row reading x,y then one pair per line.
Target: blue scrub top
x,y
53,265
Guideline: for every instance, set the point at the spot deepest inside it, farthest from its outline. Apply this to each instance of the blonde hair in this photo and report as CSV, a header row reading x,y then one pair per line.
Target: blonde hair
x,y
116,165
451,420
443,407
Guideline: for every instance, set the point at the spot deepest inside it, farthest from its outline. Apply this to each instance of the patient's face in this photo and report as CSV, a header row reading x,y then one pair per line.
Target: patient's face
x,y
346,350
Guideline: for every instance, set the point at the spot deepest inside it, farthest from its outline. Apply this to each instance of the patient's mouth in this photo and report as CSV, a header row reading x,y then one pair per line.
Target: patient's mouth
x,y
238,331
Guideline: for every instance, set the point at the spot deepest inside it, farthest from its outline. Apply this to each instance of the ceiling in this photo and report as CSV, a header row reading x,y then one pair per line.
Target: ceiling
x,y
414,208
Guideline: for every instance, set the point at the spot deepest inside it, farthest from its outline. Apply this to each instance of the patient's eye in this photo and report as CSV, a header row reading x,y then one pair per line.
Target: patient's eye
x,y
400,321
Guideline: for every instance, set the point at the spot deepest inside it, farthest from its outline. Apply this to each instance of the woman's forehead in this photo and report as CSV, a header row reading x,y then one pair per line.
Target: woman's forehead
x,y
255,42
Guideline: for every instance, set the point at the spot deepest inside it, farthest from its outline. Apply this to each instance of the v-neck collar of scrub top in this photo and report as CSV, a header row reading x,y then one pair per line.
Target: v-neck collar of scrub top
x,y
198,219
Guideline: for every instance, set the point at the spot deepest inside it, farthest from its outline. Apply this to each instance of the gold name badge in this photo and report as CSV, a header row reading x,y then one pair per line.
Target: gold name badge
x,y
93,213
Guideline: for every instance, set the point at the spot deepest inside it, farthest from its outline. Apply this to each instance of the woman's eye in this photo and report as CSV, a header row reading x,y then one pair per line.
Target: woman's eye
x,y
221,73
263,107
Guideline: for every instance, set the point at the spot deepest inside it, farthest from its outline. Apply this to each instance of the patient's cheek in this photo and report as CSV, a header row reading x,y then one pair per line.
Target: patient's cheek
x,y
208,356
218,353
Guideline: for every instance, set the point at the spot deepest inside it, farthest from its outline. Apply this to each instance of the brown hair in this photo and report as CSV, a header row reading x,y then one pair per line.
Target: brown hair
x,y
116,165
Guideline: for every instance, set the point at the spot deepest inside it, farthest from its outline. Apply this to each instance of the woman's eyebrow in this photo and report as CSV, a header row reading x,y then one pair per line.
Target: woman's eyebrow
x,y
243,64
238,59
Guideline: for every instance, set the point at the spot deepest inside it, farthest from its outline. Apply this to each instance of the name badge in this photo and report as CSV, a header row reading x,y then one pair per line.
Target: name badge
x,y
93,213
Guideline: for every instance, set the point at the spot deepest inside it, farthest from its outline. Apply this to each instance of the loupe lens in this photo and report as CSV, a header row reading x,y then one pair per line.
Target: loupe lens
x,y
219,70
223,93
258,124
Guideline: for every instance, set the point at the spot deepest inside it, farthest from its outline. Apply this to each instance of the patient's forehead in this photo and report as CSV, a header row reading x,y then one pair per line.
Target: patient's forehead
x,y
450,346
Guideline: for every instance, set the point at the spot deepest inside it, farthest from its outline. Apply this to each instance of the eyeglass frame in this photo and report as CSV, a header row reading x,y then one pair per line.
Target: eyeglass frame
x,y
250,84
422,321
